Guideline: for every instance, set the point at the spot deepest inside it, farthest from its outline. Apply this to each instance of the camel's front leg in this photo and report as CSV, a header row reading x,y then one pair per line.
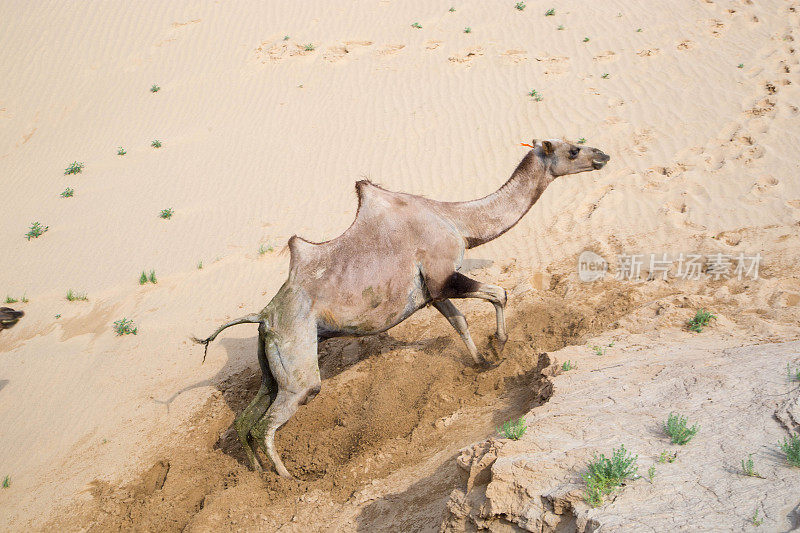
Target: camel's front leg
x,y
459,323
460,286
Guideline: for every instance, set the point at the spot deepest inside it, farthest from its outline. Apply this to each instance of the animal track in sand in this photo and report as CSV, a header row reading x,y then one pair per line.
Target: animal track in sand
x,y
338,52
514,56
467,55
685,45
432,44
555,64
280,51
391,49
606,56
647,52
715,26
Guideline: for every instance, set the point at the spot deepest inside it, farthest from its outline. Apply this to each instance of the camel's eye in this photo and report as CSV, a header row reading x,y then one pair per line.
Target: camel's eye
x,y
573,152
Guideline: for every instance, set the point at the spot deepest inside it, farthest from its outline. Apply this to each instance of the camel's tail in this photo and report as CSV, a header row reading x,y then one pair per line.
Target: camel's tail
x,y
247,319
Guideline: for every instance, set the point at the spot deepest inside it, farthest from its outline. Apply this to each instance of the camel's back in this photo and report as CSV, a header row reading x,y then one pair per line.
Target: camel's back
x,y
370,276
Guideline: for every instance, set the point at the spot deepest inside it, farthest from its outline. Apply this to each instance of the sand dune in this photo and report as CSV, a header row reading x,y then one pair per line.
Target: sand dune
x,y
268,113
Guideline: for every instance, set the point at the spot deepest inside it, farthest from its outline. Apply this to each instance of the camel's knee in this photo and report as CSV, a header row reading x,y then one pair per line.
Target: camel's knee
x,y
311,393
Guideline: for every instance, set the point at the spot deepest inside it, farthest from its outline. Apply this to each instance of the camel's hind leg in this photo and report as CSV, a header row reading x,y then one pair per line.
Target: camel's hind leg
x,y
460,286
459,323
293,362
253,412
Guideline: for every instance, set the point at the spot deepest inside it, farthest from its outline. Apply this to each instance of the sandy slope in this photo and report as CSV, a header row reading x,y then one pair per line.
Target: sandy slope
x,y
262,139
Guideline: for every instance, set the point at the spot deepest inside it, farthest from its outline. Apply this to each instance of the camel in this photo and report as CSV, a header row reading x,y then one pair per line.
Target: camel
x,y
9,317
401,253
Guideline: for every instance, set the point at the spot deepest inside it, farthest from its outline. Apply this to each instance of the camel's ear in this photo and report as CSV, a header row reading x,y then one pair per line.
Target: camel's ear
x,y
547,146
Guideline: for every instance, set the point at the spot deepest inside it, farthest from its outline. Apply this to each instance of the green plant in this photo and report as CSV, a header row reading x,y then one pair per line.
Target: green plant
x,y
467,30
582,140
755,519
639,29
74,168
68,193
535,95
152,277
264,248
651,472
700,320
417,25
513,429
748,467
667,457
605,474
605,75
143,278
199,265
24,299
156,144
568,365
452,9
740,65
58,316
285,37
560,27
36,231
121,151
125,327
6,482
309,47
550,12
166,213
74,296
791,448
520,5
155,88
11,300
675,427
600,350
794,375
586,39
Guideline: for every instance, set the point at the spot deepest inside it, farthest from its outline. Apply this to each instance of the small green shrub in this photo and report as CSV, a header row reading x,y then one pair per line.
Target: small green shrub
x,y
520,5
600,350
582,140
166,213
156,144
452,9
154,89
535,95
755,519
11,300
513,429
264,248
667,457
791,448
6,482
568,365
309,47
199,265
143,278
586,39
121,151
675,427
748,467
794,375
68,193
76,296
605,75
36,231
605,474
74,168
417,25
740,65
152,277
651,472
638,30
24,299
285,37
125,327
467,30
560,27
550,12
700,320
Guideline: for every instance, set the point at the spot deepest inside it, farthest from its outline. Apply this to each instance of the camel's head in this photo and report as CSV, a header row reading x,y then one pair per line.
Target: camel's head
x,y
562,158
9,317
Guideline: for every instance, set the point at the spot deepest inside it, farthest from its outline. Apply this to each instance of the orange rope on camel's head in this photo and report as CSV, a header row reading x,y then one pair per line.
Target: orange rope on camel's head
x,y
528,145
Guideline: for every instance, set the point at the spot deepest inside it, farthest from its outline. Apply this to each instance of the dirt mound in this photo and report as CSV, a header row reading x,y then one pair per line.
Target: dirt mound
x,y
388,403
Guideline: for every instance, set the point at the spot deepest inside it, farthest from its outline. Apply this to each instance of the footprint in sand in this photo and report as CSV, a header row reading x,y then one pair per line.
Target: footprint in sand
x,y
648,52
432,45
391,49
716,27
685,45
555,64
339,52
466,56
514,56
606,56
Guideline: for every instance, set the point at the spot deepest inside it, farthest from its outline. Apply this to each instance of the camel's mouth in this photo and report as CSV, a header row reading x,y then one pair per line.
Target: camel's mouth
x,y
9,322
600,161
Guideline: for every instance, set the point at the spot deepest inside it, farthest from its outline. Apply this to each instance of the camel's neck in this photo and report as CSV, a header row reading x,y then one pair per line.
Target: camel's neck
x,y
485,219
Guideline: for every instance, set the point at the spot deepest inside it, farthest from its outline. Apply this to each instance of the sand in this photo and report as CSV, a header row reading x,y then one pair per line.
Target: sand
x,y
263,139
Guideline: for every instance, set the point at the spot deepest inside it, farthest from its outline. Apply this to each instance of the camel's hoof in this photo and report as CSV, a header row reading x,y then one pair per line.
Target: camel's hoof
x,y
497,345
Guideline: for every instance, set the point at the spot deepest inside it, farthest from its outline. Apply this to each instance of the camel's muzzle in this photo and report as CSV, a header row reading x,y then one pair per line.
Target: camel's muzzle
x,y
599,160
